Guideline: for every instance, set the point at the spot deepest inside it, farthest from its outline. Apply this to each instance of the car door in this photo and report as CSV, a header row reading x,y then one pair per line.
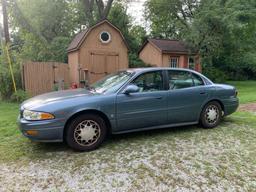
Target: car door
x,y
145,108
186,96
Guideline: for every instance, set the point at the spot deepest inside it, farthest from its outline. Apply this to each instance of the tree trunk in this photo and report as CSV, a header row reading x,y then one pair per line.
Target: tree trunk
x,y
88,8
5,22
104,10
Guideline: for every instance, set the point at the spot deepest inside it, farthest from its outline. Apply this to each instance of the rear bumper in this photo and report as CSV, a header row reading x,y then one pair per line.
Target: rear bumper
x,y
47,131
230,106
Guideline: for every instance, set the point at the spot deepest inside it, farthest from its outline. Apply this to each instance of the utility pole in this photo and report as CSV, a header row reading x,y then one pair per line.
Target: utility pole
x,y
5,22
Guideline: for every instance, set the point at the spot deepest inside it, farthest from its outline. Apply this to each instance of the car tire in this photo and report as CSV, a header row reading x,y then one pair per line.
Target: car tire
x,y
86,132
211,115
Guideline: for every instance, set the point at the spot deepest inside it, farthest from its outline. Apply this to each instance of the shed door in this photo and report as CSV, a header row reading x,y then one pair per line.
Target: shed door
x,y
97,67
102,64
112,64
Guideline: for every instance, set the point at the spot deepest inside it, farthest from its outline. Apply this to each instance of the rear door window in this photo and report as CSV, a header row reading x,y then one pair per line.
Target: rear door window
x,y
180,79
198,81
150,82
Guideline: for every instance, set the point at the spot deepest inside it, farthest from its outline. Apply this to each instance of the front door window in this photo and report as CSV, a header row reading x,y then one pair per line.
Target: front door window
x,y
149,82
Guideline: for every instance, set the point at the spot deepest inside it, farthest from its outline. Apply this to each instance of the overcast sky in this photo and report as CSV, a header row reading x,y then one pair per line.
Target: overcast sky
x,y
136,10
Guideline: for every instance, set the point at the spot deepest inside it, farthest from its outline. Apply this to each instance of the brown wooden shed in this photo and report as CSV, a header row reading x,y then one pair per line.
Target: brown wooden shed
x,y
169,53
96,52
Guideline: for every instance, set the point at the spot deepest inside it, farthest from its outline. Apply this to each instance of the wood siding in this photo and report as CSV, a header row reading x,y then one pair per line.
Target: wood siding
x,y
42,77
100,59
151,55
73,61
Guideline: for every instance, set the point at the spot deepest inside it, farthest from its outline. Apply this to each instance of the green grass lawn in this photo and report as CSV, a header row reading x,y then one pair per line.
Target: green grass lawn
x,y
188,157
246,90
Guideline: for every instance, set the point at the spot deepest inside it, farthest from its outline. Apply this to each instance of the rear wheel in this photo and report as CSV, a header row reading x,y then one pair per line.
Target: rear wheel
x,y
211,115
86,132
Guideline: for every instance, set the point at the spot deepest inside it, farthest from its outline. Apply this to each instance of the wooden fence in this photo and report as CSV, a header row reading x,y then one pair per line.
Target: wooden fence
x,y
43,77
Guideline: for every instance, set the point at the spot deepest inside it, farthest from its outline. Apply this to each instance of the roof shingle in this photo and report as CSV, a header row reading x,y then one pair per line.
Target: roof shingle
x,y
168,46
77,39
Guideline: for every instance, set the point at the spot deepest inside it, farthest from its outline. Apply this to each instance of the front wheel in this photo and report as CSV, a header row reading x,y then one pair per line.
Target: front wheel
x,y
211,115
86,132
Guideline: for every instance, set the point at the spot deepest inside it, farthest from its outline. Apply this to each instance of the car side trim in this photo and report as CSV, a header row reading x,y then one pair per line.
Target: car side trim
x,y
157,127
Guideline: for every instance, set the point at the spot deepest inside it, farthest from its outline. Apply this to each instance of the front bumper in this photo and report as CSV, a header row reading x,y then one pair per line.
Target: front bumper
x,y
47,130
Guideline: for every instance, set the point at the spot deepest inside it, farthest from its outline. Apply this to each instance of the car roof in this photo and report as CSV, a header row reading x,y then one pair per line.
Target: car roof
x,y
146,69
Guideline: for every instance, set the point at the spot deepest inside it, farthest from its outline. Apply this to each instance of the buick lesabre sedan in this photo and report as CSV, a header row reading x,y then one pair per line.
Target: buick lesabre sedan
x,y
127,101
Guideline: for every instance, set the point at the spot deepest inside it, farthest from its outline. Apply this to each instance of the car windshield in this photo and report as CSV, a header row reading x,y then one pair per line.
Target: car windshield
x,y
112,82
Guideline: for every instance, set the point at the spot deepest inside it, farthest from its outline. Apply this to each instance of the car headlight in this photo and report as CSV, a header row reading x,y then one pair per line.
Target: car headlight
x,y
35,115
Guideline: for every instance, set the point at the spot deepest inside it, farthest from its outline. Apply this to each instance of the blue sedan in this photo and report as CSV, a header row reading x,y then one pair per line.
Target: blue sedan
x,y
126,101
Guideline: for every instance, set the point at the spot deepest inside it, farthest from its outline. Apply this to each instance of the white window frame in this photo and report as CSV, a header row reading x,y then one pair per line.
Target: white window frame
x,y
174,64
109,35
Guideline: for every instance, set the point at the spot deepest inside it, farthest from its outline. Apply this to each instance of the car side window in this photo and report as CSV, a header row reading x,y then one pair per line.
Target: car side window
x,y
180,79
149,82
197,80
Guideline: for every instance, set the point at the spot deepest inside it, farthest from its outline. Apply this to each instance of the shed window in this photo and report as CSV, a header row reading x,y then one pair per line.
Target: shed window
x,y
174,62
105,37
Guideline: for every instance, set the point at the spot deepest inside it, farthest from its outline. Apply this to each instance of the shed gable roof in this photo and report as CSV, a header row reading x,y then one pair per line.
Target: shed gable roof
x,y
80,37
169,46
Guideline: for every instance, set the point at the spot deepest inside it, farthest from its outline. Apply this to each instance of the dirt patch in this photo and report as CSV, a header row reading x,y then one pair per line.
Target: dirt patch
x,y
251,107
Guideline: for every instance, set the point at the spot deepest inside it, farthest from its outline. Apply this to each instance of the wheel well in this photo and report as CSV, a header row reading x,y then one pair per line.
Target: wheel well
x,y
221,104
91,111
216,100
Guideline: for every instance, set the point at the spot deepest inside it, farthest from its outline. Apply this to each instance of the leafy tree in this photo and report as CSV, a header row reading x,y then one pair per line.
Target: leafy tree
x,y
41,26
223,31
135,35
170,18
95,10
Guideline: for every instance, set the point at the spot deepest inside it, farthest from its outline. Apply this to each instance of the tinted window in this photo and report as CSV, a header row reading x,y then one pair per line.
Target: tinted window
x,y
148,82
197,80
180,79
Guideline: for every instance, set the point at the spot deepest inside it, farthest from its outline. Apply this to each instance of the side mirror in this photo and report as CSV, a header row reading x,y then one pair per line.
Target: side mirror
x,y
131,89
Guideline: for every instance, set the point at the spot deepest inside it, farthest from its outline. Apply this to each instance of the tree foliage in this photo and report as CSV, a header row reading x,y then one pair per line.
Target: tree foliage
x,y
40,26
223,31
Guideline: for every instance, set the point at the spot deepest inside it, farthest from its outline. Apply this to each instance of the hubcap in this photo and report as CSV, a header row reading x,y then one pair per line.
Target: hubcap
x,y
212,114
87,132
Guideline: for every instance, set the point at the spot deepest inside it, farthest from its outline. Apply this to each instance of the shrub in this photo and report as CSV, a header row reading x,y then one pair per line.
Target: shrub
x,y
19,96
6,83
135,61
216,75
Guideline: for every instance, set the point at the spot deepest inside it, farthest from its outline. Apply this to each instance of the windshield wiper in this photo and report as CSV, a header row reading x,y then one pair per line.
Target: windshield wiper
x,y
90,88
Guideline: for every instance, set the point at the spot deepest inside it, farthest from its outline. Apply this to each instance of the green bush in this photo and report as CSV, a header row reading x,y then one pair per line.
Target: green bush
x,y
135,61
6,83
19,96
216,75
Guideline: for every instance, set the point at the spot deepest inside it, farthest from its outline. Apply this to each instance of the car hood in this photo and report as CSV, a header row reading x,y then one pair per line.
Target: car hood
x,y
56,96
